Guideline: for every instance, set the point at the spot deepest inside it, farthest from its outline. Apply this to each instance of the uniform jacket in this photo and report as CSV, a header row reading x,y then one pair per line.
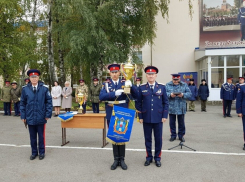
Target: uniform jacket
x,y
241,16
35,107
240,100
5,94
83,89
228,92
203,92
177,105
194,92
237,89
94,93
107,93
15,94
153,106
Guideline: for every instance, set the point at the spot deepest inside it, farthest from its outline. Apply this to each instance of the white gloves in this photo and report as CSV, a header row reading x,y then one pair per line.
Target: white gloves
x,y
128,83
119,92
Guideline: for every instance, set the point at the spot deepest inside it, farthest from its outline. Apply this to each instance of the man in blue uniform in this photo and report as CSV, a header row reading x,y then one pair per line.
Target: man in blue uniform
x,y
241,20
227,95
178,92
110,92
35,109
241,81
138,82
152,103
240,105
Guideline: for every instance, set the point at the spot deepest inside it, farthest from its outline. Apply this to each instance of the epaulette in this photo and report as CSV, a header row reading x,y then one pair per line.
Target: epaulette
x,y
242,84
23,86
45,86
161,84
143,84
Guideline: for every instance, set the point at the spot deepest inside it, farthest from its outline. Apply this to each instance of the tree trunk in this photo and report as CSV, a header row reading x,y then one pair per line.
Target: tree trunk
x,y
81,72
99,70
33,18
62,69
52,73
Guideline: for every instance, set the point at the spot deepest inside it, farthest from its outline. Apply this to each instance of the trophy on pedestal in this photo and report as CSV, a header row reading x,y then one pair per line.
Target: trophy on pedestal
x,y
128,70
80,99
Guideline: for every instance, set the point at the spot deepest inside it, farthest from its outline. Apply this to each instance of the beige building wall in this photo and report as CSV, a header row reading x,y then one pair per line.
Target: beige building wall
x,y
174,46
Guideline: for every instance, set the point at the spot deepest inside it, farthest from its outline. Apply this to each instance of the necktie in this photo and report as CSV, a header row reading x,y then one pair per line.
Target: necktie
x,y
66,88
151,87
115,85
35,90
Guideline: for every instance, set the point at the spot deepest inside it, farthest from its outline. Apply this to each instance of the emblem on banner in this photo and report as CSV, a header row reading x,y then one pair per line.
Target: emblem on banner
x,y
121,125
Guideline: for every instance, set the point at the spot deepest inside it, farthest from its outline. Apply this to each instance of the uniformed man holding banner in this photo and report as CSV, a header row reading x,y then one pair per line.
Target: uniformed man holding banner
x,y
113,93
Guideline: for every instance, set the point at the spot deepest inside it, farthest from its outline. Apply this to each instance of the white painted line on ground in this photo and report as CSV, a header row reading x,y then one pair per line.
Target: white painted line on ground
x,y
134,150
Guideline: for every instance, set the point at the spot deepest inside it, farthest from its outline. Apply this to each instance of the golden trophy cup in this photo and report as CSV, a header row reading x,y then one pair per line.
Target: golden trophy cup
x,y
128,70
80,99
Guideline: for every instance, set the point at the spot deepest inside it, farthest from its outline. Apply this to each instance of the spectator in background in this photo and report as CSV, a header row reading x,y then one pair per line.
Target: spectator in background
x,y
15,97
6,98
194,95
56,97
94,95
67,97
203,93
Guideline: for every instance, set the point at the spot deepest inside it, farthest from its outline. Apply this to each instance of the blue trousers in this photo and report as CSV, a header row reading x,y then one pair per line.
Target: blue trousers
x,y
181,125
17,108
243,124
39,130
227,107
6,106
243,32
157,129
96,107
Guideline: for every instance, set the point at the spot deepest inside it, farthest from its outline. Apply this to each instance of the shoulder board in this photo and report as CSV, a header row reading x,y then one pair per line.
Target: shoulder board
x,y
143,84
45,86
23,86
161,84
242,84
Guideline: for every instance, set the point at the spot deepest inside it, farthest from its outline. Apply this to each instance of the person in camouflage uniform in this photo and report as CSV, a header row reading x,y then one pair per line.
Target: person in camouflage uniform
x,y
15,97
83,88
94,95
6,98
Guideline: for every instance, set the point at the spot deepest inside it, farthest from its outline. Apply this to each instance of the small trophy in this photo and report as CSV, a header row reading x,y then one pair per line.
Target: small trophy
x,y
80,99
128,70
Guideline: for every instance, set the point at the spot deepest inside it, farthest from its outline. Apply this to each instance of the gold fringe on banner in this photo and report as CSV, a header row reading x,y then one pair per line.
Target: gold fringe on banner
x,y
114,143
62,120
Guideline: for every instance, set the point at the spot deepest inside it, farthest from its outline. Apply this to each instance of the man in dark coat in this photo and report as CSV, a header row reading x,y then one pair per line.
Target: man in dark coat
x,y
15,97
227,94
94,95
35,109
6,98
203,93
194,94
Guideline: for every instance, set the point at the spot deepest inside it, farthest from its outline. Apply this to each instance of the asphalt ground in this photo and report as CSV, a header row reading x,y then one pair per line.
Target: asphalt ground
x,y
218,141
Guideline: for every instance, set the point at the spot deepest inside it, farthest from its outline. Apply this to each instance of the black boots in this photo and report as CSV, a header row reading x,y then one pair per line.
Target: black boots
x,y
119,154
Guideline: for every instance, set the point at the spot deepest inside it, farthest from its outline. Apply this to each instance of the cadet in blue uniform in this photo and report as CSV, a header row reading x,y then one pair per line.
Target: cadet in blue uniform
x,y
227,94
241,81
36,109
138,82
241,20
178,92
240,107
111,91
152,103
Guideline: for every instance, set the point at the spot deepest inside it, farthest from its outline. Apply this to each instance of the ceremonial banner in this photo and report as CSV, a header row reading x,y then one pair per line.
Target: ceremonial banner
x,y
121,125
67,116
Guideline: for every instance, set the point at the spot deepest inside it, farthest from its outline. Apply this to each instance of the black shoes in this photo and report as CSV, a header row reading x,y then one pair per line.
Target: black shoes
x,y
32,157
41,156
115,164
224,116
123,164
147,163
244,147
158,163
172,139
182,139
229,116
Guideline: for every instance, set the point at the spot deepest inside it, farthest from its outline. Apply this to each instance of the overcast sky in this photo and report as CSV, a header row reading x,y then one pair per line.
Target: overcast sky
x,y
215,3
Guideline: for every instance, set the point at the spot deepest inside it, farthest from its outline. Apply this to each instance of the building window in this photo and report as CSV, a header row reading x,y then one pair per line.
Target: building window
x,y
232,60
217,75
243,61
234,73
217,61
